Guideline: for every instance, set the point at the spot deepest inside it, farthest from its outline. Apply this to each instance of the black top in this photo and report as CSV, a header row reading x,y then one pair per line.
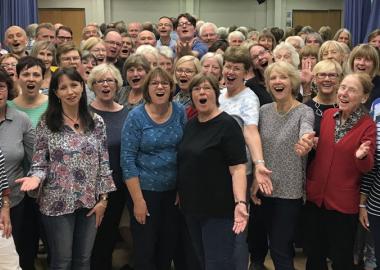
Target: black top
x,y
205,153
260,91
114,124
375,93
318,112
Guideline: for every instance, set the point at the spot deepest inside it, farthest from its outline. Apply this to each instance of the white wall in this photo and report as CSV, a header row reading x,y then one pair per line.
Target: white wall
x,y
222,12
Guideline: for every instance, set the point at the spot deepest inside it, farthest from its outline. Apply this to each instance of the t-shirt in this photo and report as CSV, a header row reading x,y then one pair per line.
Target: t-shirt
x,y
34,114
204,156
114,123
244,106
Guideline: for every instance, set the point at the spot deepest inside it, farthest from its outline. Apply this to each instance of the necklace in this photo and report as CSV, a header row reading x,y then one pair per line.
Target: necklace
x,y
76,125
285,113
318,111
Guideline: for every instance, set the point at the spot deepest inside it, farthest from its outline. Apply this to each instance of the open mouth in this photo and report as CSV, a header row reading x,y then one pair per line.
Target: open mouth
x,y
362,69
183,80
230,79
30,86
106,91
125,51
203,100
88,72
279,89
160,94
136,80
327,84
16,45
100,59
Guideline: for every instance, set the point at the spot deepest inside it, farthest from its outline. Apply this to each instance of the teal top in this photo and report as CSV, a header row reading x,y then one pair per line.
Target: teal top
x,y
34,114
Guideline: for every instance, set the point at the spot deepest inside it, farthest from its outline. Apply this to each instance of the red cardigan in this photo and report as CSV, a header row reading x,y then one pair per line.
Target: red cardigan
x,y
333,177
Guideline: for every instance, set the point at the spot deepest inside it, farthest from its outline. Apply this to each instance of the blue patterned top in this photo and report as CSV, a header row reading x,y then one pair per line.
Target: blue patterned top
x,y
73,168
149,150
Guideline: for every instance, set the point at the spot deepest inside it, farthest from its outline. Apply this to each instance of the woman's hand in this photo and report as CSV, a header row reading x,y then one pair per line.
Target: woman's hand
x,y
254,190
28,183
262,175
5,222
305,144
363,150
141,211
240,218
98,210
363,217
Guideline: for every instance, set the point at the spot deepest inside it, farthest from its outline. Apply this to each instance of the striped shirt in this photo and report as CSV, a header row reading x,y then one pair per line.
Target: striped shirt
x,y
370,184
3,180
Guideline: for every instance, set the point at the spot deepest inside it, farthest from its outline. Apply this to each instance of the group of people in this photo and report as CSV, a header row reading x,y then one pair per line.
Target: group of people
x,y
224,144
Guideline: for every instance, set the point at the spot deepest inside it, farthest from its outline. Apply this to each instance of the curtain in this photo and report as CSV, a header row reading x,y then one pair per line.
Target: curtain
x,y
356,14
17,12
374,18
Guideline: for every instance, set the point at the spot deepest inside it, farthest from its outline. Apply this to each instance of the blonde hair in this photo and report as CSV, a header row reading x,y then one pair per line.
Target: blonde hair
x,y
287,69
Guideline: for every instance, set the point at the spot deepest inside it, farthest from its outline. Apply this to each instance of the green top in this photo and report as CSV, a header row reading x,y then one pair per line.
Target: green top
x,y
34,114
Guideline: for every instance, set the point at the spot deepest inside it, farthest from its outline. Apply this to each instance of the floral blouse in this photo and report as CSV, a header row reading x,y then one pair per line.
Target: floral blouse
x,y
343,129
73,168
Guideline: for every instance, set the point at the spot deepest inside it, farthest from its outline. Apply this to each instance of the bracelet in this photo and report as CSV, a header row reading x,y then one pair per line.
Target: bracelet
x,y
362,206
259,161
241,202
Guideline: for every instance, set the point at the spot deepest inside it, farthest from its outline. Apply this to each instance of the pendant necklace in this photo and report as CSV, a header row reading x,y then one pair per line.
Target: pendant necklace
x,y
76,125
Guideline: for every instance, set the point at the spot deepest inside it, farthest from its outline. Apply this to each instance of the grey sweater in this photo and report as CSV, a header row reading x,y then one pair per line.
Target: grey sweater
x,y
279,134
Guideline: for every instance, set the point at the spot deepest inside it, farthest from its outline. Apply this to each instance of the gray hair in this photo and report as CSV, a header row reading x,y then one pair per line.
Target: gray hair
x,y
293,53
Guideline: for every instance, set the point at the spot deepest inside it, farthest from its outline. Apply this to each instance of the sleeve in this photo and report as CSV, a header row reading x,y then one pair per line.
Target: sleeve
x,y
366,164
201,48
250,109
41,156
4,187
105,183
130,142
369,178
234,149
306,121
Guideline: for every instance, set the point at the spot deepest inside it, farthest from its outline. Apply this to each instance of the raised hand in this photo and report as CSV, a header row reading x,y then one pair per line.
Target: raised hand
x,y
363,150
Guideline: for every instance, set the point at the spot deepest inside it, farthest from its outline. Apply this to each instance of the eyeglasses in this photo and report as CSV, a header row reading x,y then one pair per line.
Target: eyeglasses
x,y
108,81
62,38
330,75
70,59
186,71
182,24
111,42
5,65
157,83
205,88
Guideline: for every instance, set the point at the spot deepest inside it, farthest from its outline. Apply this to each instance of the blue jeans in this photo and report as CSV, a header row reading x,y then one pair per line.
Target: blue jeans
x,y
213,240
70,238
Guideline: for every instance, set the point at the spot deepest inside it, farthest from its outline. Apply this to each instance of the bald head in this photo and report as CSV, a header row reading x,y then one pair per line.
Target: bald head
x,y
146,37
15,39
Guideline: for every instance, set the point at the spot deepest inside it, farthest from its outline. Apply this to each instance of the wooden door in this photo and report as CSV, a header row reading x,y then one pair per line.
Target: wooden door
x,y
71,17
318,18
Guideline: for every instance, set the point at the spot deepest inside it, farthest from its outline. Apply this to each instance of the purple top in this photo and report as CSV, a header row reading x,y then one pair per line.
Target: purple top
x,y
73,168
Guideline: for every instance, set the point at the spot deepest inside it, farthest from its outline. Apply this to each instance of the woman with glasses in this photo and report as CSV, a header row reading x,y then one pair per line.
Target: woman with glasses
x,y
344,151
327,76
9,62
184,70
70,168
105,80
150,138
97,47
